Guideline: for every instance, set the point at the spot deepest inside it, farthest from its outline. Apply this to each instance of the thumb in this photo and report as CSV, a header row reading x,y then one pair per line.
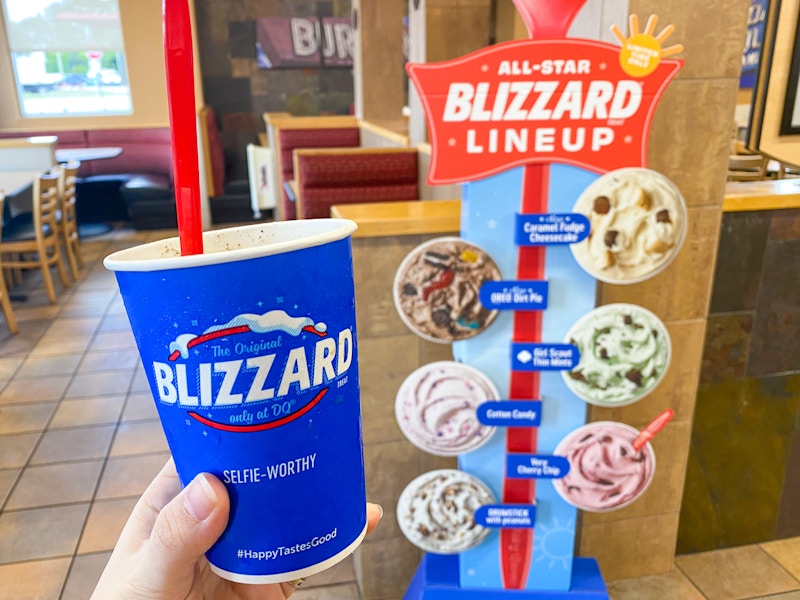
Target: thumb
x,y
184,530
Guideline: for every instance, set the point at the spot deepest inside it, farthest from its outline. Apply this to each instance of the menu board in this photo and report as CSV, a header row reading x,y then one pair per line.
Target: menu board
x,y
549,139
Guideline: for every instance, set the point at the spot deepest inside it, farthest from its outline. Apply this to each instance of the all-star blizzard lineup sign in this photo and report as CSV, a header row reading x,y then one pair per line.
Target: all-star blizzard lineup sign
x,y
573,101
532,103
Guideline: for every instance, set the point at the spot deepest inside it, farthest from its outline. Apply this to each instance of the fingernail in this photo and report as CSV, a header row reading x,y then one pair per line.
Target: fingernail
x,y
380,508
200,498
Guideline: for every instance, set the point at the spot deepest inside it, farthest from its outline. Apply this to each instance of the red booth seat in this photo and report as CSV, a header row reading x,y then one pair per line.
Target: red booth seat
x,y
353,175
127,186
292,133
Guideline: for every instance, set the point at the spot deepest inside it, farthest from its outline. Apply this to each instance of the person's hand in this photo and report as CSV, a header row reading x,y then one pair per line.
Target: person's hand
x,y
159,555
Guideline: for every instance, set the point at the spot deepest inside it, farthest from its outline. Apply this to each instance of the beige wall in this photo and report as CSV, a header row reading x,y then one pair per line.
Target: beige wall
x,y
689,142
141,21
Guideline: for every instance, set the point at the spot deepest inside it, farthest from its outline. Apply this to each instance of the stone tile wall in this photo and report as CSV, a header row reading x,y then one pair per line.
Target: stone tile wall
x,y
388,352
240,92
743,479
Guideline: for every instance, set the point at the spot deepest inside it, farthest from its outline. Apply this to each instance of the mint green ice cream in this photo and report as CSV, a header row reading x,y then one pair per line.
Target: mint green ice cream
x,y
625,352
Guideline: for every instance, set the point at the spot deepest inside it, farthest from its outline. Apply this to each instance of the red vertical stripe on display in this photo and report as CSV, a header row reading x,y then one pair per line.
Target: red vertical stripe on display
x,y
516,545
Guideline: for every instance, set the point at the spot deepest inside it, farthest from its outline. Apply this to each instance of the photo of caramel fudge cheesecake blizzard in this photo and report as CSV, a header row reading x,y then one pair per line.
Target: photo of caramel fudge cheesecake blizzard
x,y
436,511
638,223
436,289
624,353
436,408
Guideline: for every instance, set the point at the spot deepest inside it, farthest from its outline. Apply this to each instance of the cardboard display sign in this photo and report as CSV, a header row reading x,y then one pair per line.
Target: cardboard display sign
x,y
528,127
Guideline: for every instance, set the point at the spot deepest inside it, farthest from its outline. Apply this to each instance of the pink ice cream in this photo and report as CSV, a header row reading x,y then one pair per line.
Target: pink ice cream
x,y
436,408
606,472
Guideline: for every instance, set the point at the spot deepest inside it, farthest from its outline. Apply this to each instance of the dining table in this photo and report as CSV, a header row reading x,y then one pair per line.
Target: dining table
x,y
83,154
14,182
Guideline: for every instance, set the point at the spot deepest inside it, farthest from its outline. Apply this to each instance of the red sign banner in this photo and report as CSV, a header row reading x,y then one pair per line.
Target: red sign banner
x,y
572,101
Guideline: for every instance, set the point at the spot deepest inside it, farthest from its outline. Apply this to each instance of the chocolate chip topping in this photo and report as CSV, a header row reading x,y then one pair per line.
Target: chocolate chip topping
x,y
409,290
610,238
635,376
627,319
602,205
662,216
441,315
577,376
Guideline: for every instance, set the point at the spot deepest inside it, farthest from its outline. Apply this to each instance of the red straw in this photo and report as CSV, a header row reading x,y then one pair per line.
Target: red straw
x,y
183,125
649,432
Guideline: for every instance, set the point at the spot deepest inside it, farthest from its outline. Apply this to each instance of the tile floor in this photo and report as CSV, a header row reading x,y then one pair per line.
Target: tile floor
x,y
80,440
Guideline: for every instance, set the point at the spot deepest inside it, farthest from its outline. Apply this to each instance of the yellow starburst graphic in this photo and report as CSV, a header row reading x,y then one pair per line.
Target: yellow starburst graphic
x,y
641,52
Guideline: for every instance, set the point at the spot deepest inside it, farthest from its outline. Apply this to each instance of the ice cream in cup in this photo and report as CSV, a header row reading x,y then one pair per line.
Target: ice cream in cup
x,y
251,353
436,408
436,511
606,471
638,224
436,289
624,353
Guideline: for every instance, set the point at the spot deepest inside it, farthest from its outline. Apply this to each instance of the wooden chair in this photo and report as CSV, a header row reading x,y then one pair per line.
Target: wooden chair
x,y
5,303
35,245
788,171
67,224
747,167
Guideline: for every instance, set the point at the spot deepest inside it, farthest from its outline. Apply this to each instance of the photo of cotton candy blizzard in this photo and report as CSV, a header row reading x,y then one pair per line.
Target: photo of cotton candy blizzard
x,y
625,351
605,471
638,223
436,408
436,511
436,289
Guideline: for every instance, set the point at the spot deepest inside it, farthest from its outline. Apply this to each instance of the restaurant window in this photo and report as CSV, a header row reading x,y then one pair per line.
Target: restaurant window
x,y
68,57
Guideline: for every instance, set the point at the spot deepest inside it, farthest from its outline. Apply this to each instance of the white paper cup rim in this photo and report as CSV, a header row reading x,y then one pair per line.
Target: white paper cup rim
x,y
586,319
559,452
478,375
413,327
232,244
424,478
597,273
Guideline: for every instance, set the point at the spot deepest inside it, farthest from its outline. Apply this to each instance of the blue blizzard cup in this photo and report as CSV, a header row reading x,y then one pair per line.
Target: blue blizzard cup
x,y
251,355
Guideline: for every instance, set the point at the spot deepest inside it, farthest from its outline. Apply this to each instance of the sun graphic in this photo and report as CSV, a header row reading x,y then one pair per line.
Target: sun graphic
x,y
641,53
554,545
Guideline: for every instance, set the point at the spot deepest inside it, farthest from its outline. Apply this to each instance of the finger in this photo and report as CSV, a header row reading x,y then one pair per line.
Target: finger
x,y
163,488
374,514
184,530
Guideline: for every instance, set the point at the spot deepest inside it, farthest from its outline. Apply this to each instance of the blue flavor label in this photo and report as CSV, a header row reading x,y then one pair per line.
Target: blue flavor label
x,y
256,380
544,357
506,516
514,295
513,413
551,229
536,466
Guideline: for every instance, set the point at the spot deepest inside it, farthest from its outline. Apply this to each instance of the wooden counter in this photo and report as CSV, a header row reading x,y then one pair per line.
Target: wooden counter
x,y
401,218
434,216
761,195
